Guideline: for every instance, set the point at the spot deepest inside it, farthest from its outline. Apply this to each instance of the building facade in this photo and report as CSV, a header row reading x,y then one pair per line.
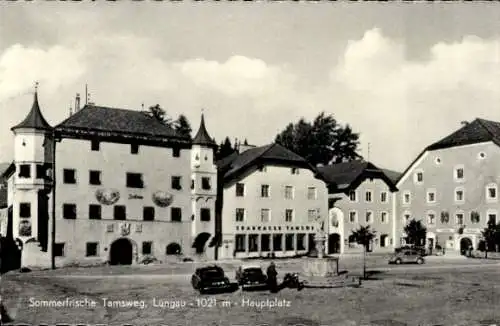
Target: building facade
x,y
119,185
269,203
452,187
360,194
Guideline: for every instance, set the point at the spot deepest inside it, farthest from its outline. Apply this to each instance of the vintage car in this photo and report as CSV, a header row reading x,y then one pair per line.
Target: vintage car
x,y
407,256
251,277
212,279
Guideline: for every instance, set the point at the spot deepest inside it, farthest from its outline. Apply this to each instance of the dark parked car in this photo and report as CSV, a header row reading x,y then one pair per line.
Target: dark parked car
x,y
420,249
212,279
251,277
406,256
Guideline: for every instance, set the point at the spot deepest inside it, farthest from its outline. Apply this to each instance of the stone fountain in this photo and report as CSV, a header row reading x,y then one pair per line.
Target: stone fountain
x,y
323,271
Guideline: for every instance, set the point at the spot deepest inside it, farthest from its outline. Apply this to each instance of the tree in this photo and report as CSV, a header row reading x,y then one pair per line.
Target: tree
x,y
159,114
183,126
364,235
489,235
225,149
322,141
415,232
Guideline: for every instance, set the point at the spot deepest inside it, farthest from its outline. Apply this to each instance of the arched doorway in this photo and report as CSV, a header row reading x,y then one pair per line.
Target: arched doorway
x,y
383,241
121,252
465,244
174,249
334,243
200,241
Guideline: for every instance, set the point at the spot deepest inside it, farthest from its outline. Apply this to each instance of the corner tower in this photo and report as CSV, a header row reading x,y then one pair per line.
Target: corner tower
x,y
204,193
32,159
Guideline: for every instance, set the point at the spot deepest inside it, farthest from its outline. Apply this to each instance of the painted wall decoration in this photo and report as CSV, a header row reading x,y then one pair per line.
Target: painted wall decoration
x,y
25,228
162,198
125,229
107,196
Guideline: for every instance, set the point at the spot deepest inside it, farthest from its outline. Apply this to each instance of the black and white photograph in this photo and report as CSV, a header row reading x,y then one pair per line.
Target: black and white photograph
x,y
249,163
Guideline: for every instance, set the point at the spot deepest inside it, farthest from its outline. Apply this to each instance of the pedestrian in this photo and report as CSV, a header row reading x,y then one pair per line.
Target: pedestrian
x,y
272,278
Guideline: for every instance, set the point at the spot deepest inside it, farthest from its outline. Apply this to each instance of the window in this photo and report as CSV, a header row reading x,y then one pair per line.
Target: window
x,y
265,242
69,176
459,173
120,213
475,217
481,155
265,215
240,242
311,215
147,248
24,210
368,196
94,212
277,242
431,196
289,242
41,171
352,195
295,171
134,149
418,177
95,145
192,184
176,214
253,245
205,214
25,171
491,192
353,217
134,180
240,214
383,197
383,217
148,213
301,237
264,191
92,249
95,177
176,152
288,215
69,211
240,190
459,218
59,249
176,183
492,217
311,193
205,183
406,198
406,217
437,160
369,217
459,194
288,192
431,218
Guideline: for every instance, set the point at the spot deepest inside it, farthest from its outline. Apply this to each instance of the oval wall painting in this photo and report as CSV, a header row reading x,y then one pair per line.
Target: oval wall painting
x,y
107,196
162,198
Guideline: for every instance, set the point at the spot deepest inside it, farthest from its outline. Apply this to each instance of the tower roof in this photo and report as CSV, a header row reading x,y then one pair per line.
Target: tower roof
x,y
34,119
202,137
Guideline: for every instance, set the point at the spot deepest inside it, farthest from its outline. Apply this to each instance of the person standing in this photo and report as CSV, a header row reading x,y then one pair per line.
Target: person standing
x,y
272,278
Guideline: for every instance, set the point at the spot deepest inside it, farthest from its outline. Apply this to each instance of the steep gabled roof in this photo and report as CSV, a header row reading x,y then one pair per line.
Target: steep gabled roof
x,y
120,122
34,119
344,176
477,131
236,164
202,137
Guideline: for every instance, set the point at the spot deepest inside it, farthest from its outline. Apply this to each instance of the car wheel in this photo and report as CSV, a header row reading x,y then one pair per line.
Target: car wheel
x,y
420,261
397,261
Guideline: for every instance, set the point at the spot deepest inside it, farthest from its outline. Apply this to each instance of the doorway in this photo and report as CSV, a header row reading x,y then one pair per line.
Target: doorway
x,y
121,252
465,244
334,243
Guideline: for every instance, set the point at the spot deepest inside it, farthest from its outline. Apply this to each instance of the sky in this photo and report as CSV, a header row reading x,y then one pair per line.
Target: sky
x,y
403,75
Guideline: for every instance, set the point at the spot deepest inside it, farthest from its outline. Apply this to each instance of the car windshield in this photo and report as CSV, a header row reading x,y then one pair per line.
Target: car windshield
x,y
212,273
253,271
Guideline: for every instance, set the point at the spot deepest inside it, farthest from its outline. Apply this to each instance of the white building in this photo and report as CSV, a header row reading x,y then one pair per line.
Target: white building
x,y
268,200
119,184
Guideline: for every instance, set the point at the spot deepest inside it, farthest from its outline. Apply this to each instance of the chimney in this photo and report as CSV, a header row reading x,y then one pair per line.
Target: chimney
x,y
77,102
